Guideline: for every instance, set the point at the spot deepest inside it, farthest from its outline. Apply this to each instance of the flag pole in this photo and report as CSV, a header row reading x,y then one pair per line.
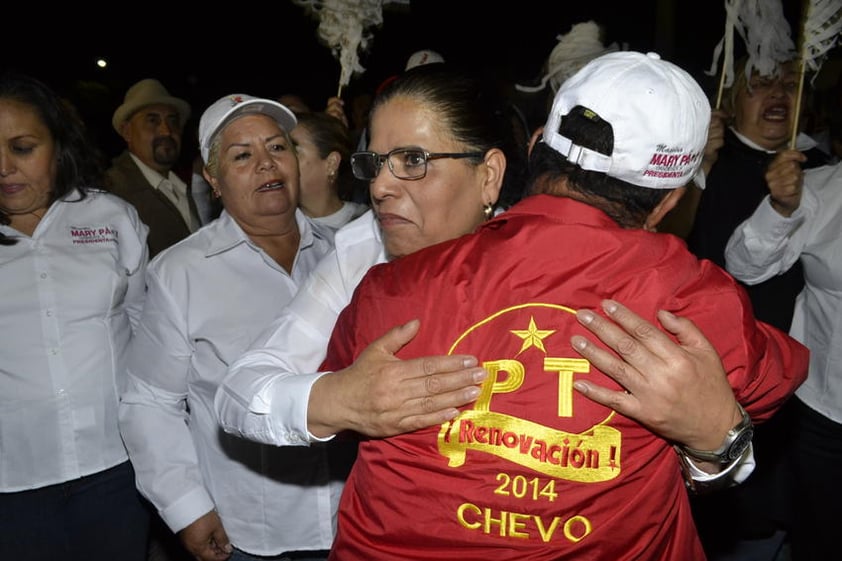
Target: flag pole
x,y
805,14
795,117
721,87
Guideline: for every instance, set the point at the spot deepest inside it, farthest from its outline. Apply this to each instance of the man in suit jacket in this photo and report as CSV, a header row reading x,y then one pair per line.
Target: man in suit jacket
x,y
151,122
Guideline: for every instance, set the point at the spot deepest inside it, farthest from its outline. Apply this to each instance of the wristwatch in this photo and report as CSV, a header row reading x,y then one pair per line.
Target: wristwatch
x,y
736,442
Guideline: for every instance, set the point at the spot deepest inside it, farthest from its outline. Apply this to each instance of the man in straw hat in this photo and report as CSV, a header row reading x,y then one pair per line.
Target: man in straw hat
x,y
533,469
151,122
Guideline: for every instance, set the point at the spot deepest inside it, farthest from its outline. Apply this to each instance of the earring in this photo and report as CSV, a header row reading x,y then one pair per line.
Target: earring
x,y
487,210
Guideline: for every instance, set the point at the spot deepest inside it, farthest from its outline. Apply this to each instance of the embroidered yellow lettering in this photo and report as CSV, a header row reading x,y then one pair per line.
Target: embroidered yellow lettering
x,y
520,487
566,367
490,427
493,385
521,525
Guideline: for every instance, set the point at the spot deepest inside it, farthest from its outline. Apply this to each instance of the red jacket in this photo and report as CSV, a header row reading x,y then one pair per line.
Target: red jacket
x,y
533,470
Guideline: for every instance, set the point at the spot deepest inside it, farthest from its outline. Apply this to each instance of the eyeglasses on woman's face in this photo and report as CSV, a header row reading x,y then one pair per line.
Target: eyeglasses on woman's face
x,y
404,163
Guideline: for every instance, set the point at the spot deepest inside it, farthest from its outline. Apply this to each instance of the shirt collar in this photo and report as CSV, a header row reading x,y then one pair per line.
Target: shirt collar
x,y
154,178
802,142
225,233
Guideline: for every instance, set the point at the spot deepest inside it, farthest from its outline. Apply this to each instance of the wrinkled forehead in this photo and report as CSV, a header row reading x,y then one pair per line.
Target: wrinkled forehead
x,y
250,125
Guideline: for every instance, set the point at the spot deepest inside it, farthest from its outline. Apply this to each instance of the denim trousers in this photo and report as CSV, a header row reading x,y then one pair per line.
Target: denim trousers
x,y
99,517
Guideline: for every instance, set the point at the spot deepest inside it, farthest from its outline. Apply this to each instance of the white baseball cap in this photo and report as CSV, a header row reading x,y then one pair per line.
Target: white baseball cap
x,y
658,112
422,57
230,107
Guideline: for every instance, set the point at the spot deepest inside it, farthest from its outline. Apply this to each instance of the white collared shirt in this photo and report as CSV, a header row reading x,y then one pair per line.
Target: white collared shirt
x,y
208,297
71,293
768,244
264,396
802,142
173,188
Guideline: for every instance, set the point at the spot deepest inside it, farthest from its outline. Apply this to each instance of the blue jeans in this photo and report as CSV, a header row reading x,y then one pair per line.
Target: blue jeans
x,y
294,556
99,517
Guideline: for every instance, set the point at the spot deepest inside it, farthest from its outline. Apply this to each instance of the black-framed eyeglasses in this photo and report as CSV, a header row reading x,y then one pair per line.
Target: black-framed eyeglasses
x,y
404,163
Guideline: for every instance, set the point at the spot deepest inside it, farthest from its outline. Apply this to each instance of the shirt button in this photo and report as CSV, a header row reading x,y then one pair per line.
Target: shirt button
x,y
43,275
49,313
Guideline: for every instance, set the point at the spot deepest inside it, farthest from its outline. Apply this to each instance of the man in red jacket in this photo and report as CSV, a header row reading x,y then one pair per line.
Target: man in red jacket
x,y
534,470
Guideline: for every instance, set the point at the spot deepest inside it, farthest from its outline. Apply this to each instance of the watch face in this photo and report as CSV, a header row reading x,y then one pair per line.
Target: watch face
x,y
740,444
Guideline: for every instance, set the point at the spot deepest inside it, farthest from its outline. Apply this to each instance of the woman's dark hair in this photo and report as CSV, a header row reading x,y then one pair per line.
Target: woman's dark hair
x,y
77,163
473,109
330,135
627,204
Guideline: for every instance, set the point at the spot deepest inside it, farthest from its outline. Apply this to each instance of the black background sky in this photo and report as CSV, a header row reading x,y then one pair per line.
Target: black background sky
x,y
273,48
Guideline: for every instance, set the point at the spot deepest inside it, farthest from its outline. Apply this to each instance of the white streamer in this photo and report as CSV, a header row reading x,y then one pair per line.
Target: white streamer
x,y
765,31
820,32
726,44
573,51
345,27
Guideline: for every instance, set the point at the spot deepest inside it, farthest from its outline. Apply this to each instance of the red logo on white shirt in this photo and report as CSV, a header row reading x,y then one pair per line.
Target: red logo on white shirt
x,y
84,235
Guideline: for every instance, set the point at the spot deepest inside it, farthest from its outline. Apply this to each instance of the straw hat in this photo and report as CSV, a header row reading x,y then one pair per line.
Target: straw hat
x,y
147,92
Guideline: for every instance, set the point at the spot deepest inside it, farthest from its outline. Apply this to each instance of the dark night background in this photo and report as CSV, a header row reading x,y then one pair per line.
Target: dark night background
x,y
271,49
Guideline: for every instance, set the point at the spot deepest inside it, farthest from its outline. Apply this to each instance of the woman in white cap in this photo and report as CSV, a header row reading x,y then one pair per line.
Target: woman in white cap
x,y
208,297
533,469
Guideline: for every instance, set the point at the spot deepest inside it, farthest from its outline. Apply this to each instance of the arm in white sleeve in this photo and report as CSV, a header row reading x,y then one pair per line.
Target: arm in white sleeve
x,y
265,394
134,256
264,397
153,413
767,244
136,292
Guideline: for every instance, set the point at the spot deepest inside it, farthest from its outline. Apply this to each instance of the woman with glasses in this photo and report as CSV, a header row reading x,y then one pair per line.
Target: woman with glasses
x,y
442,156
418,198
533,469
